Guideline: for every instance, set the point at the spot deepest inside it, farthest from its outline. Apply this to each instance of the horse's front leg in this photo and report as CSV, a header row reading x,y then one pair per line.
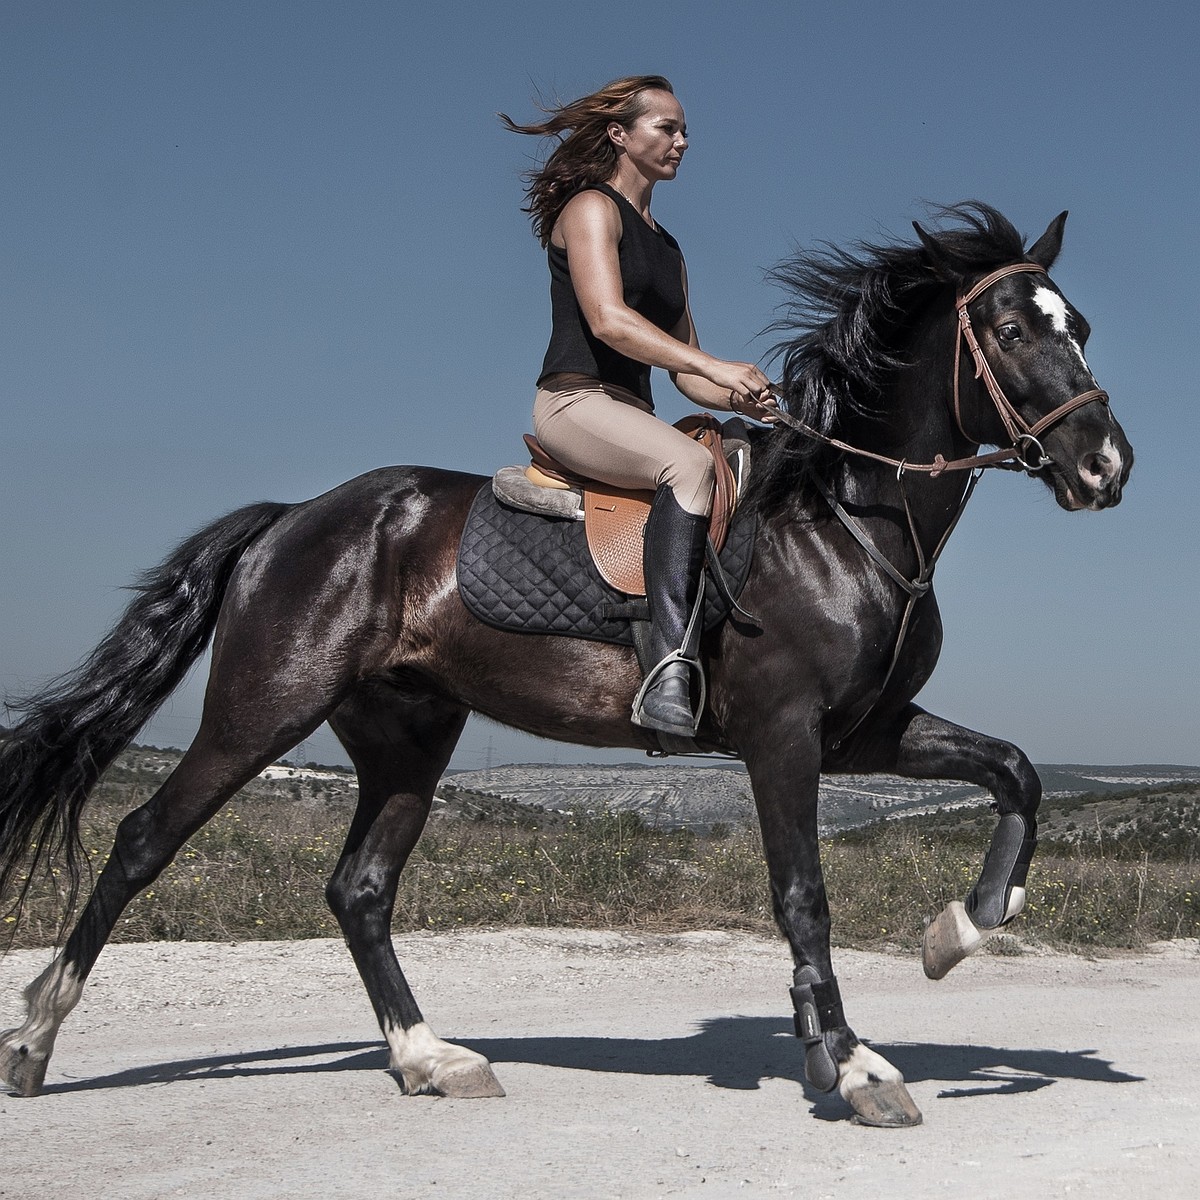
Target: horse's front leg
x,y
921,746
785,793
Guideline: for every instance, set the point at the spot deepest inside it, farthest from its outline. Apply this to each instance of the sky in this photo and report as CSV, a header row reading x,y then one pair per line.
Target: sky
x,y
253,248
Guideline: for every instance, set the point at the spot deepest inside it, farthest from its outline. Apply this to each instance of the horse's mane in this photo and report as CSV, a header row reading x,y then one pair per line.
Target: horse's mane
x,y
842,319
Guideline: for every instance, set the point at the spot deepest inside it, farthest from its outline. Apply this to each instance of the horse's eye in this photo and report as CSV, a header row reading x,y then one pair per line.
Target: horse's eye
x,y
1009,333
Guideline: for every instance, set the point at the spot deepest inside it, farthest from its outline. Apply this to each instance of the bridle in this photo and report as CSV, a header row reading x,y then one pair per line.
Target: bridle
x,y
1024,437
1025,454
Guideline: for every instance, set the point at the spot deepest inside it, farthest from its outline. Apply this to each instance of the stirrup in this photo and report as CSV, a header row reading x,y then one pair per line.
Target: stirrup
x,y
638,716
689,654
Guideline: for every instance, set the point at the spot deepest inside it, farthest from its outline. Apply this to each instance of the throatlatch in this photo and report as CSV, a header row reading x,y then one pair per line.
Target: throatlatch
x,y
818,1004
999,894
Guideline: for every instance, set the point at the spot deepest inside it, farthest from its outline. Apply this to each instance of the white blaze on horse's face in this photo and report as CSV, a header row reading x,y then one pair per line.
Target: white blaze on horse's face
x,y
1055,307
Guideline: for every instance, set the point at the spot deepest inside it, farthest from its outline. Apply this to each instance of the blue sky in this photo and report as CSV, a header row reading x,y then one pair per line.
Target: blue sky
x,y
253,249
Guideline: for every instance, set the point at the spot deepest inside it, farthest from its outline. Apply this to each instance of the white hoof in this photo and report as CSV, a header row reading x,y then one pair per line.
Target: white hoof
x,y
876,1092
22,1067
25,1051
426,1065
949,938
468,1080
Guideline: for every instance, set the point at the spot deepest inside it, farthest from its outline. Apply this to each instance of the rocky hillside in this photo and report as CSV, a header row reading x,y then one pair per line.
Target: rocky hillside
x,y
672,795
698,797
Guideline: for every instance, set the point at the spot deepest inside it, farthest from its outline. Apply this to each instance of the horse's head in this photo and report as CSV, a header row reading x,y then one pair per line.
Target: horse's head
x,y
1041,395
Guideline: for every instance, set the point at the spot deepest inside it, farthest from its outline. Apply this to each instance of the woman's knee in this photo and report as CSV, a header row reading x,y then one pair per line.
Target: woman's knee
x,y
692,477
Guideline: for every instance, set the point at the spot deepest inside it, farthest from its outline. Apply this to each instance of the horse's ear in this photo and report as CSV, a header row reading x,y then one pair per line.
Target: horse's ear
x,y
1045,250
943,265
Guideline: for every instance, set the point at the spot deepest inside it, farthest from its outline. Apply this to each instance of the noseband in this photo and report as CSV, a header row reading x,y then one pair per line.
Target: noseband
x,y
1025,444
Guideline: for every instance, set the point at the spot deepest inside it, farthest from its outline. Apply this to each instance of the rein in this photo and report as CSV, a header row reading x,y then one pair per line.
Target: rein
x,y
1025,454
1023,434
1006,460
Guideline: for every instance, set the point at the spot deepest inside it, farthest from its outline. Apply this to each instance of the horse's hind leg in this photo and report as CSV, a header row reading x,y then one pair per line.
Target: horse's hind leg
x,y
275,711
146,841
400,744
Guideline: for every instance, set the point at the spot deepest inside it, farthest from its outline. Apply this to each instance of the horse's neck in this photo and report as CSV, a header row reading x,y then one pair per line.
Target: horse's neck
x,y
920,428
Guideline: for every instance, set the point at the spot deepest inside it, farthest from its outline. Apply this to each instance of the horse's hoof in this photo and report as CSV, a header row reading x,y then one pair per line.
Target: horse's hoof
x,y
474,1081
425,1065
884,1105
876,1091
949,938
22,1071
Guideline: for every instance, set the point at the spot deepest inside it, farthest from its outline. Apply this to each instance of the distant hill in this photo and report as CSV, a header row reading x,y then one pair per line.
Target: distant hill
x,y
664,795
703,796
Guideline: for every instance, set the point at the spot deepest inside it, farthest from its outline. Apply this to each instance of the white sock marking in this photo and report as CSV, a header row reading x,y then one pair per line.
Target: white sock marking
x,y
863,1064
423,1059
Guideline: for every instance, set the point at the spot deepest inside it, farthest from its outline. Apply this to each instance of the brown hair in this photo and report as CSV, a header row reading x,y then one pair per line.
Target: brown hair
x,y
584,154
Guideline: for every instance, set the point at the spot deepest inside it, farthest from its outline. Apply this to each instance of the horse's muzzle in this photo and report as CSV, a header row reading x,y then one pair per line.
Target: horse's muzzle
x,y
1097,480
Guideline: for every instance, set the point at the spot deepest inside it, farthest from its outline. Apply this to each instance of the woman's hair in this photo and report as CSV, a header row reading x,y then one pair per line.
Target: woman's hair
x,y
584,154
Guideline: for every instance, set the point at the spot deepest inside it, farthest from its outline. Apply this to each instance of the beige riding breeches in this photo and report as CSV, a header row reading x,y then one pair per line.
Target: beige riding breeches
x,y
605,432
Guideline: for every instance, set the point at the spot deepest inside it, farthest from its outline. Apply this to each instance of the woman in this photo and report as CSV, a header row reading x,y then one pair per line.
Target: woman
x,y
618,289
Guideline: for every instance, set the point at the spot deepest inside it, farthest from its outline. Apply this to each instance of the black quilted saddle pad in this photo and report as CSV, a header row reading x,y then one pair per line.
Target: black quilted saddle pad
x,y
534,574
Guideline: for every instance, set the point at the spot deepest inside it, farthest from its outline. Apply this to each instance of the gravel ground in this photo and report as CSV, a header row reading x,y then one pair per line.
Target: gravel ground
x,y
636,1066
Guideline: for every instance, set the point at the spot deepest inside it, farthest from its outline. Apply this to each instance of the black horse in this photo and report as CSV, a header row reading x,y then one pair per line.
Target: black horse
x,y
344,609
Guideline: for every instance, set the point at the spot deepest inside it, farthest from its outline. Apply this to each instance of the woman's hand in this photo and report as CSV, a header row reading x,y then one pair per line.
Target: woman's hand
x,y
743,381
750,391
764,408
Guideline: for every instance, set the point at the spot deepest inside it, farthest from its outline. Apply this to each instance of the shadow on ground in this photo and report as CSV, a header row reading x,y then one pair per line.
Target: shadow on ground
x,y
730,1052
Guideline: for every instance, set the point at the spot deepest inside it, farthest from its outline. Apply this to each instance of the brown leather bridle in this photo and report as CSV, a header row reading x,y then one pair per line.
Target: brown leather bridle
x,y
1024,436
1025,444
1026,453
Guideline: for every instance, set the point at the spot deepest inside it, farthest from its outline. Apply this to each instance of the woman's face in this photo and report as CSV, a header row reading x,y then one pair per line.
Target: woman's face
x,y
656,140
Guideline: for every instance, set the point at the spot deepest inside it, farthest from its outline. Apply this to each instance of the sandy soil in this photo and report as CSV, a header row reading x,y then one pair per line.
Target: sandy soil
x,y
636,1066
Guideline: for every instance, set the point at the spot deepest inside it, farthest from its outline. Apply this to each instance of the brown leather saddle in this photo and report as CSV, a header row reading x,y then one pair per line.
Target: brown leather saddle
x,y
615,519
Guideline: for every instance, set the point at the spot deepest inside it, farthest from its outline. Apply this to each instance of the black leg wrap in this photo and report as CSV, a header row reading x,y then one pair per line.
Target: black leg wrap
x,y
818,1005
1004,868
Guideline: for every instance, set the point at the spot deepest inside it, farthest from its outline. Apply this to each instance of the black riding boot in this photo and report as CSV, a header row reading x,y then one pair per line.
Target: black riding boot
x,y
673,559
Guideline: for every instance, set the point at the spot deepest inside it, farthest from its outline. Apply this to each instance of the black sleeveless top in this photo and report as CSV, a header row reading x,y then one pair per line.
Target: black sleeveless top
x,y
652,282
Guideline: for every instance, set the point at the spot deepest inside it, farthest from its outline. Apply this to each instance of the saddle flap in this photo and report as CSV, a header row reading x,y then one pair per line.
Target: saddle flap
x,y
520,572
615,521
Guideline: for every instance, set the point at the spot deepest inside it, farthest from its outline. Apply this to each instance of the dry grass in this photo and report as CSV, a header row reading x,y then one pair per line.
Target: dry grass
x,y
881,889
258,870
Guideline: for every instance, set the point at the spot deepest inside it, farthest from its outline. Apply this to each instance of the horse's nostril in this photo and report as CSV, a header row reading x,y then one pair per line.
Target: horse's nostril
x,y
1098,466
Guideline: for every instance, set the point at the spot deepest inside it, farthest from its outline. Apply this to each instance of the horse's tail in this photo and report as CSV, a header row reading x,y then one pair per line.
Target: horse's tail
x,y
74,728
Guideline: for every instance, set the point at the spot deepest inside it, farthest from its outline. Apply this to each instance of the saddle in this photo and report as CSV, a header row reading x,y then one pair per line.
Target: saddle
x,y
615,518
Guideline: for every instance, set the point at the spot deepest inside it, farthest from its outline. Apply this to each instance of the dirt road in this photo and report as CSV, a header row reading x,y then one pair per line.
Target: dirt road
x,y
636,1066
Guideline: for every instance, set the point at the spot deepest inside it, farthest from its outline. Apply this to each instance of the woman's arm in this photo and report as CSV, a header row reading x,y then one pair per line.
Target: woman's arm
x,y
589,229
704,392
